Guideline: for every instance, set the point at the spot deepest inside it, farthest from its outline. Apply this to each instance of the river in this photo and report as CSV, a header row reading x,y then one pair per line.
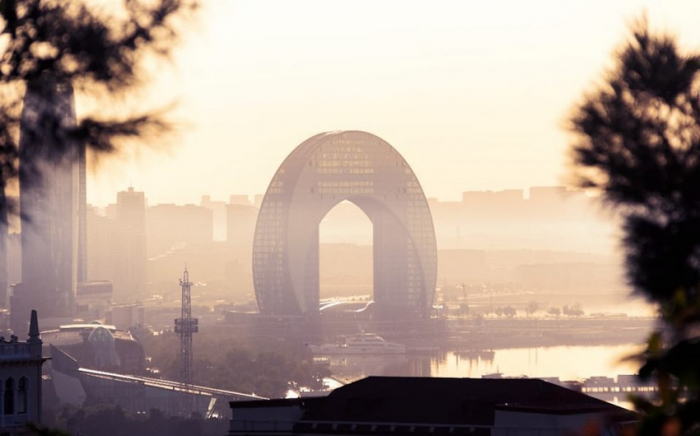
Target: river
x,y
565,362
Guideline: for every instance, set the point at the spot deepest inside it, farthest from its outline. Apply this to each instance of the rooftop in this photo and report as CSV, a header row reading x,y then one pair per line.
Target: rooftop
x,y
448,401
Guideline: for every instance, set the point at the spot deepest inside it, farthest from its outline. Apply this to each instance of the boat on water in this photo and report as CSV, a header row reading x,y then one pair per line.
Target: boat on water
x,y
363,343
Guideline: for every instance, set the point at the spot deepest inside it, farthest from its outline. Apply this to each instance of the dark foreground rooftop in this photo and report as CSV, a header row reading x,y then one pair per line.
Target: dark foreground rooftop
x,y
413,404
449,400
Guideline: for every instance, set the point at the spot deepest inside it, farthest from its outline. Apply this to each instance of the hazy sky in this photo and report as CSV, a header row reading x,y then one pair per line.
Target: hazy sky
x,y
474,94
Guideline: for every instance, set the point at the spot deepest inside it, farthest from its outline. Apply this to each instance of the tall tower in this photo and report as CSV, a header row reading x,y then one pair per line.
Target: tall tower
x,y
82,273
130,269
50,200
185,326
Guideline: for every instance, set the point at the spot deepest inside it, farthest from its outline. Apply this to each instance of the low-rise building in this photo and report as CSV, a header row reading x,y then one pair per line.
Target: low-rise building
x,y
434,406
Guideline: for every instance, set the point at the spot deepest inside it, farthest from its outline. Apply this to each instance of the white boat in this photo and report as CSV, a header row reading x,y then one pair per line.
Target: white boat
x,y
363,343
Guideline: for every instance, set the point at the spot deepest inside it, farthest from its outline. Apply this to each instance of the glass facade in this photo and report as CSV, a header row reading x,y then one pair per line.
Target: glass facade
x,y
320,173
50,183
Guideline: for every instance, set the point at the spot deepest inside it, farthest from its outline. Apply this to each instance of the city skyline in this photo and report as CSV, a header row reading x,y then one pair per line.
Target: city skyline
x,y
452,87
500,192
255,198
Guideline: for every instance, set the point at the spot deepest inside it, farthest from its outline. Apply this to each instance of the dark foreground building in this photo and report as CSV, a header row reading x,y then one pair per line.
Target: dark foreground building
x,y
20,381
434,406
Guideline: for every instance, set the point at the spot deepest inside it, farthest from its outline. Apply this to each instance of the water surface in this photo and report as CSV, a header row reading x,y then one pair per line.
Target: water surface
x,y
565,362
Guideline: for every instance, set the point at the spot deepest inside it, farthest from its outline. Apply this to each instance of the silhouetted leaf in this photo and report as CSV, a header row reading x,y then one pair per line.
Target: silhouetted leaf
x,y
54,44
638,144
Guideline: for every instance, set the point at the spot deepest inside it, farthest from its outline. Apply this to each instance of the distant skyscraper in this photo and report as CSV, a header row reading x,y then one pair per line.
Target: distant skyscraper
x,y
50,199
103,236
82,216
240,226
218,210
170,225
130,279
4,267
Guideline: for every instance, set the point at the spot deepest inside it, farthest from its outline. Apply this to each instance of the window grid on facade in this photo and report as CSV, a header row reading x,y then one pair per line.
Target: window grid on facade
x,y
323,171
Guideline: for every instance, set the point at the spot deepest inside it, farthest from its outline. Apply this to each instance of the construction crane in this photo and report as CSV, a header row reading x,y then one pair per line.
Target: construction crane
x,y
185,326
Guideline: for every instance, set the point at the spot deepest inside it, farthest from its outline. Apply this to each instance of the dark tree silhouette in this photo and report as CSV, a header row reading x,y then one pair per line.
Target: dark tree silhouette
x,y
638,144
96,50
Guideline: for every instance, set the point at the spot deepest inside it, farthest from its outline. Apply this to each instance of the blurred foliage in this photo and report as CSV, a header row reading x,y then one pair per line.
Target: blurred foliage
x,y
554,311
111,420
45,431
532,307
96,49
267,369
573,310
638,145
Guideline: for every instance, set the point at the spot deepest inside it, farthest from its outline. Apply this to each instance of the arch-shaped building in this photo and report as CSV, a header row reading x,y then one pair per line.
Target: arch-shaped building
x,y
320,173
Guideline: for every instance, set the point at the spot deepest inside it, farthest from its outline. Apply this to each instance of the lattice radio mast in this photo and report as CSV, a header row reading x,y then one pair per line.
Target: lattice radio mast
x,y
186,326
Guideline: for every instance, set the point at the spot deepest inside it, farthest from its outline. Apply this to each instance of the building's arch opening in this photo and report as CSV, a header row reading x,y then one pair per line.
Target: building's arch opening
x,y
346,257
22,395
9,396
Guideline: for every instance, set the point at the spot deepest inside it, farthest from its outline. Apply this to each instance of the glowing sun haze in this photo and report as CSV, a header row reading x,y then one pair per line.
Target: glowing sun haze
x,y
474,94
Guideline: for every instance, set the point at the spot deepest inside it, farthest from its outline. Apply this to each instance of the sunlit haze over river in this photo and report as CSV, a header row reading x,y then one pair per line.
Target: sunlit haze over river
x,y
565,362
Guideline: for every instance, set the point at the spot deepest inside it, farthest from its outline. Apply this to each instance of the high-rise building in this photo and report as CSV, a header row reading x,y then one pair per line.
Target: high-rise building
x,y
218,210
239,199
170,225
50,200
325,170
130,279
117,246
240,226
103,236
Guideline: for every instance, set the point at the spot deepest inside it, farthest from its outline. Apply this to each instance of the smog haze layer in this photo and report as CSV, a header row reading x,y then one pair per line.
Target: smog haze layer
x,y
473,95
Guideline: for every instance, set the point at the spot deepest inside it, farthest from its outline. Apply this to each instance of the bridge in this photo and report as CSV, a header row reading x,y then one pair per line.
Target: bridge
x,y
78,386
